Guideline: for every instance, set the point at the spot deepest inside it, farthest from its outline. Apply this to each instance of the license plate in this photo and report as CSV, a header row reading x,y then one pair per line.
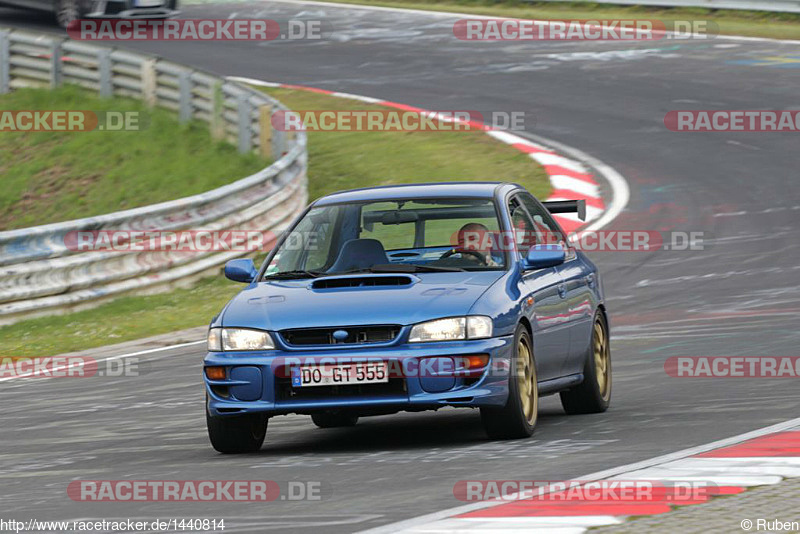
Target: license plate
x,y
340,374
148,3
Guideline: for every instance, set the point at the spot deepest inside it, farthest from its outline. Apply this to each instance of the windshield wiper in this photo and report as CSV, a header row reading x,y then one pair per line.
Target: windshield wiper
x,y
292,275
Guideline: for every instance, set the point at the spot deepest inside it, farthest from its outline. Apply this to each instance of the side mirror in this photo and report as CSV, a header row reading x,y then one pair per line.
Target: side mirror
x,y
242,270
541,256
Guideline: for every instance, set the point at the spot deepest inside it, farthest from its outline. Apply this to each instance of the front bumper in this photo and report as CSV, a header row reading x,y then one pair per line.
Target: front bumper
x,y
257,382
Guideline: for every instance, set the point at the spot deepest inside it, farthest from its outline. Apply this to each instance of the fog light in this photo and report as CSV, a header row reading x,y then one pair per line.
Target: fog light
x,y
215,373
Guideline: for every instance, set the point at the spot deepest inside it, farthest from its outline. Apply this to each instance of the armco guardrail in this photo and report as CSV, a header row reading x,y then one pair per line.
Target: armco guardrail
x,y
781,6
39,274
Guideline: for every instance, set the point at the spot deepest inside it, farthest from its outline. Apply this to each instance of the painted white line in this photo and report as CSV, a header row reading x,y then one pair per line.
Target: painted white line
x,y
561,181
692,451
42,374
719,465
616,472
542,521
735,461
508,525
744,481
445,14
512,139
253,81
620,192
700,472
367,99
561,161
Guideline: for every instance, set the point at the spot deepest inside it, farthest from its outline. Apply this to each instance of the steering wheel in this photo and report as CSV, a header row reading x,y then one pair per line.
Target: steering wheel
x,y
481,257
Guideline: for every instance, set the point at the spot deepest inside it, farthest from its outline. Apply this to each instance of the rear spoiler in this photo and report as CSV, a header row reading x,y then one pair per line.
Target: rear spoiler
x,y
567,206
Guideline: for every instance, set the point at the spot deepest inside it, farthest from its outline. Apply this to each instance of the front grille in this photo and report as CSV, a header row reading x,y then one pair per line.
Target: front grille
x,y
395,387
356,335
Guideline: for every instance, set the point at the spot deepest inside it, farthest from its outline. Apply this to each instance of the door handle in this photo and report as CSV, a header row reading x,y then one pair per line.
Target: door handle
x,y
562,290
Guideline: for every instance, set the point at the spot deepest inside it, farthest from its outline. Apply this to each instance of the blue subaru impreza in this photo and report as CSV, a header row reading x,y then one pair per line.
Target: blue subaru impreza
x,y
410,297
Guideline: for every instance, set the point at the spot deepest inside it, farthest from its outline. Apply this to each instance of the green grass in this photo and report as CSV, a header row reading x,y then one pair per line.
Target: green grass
x,y
56,176
731,22
348,160
117,321
338,160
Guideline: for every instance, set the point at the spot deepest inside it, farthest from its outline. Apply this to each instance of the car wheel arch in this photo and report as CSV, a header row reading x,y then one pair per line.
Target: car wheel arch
x,y
527,324
601,307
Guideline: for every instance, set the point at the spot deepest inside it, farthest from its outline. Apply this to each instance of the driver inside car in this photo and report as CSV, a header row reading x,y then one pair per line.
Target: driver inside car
x,y
474,245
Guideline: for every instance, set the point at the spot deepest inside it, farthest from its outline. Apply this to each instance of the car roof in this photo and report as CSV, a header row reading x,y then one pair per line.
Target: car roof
x,y
425,190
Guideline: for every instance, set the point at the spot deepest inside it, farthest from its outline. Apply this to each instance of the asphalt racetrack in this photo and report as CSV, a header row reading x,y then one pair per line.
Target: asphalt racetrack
x,y
738,296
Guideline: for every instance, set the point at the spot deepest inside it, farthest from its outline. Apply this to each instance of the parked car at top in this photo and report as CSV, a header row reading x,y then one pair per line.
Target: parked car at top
x,y
377,301
66,11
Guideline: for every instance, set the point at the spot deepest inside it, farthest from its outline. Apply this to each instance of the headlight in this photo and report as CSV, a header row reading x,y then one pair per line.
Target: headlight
x,y
451,329
215,339
220,339
478,327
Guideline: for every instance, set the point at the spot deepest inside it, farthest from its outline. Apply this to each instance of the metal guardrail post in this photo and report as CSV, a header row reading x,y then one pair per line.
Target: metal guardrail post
x,y
149,82
104,69
5,63
217,109
245,124
278,144
55,64
185,102
265,130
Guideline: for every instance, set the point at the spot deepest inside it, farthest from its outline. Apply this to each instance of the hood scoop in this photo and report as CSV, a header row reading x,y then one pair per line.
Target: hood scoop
x,y
343,282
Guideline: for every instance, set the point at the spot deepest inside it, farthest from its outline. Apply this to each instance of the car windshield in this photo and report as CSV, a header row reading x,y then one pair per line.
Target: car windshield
x,y
416,235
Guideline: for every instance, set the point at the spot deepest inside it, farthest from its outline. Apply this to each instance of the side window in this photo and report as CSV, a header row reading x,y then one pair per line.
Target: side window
x,y
309,246
522,226
545,229
319,246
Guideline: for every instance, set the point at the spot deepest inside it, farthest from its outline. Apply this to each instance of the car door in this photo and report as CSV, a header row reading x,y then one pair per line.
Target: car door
x,y
543,298
578,279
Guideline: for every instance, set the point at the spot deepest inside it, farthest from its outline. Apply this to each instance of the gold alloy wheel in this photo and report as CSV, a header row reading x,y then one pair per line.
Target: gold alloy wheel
x,y
602,359
527,383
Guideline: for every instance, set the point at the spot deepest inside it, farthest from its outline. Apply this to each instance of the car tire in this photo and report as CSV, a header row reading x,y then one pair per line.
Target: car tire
x,y
517,419
68,11
234,434
334,420
593,395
